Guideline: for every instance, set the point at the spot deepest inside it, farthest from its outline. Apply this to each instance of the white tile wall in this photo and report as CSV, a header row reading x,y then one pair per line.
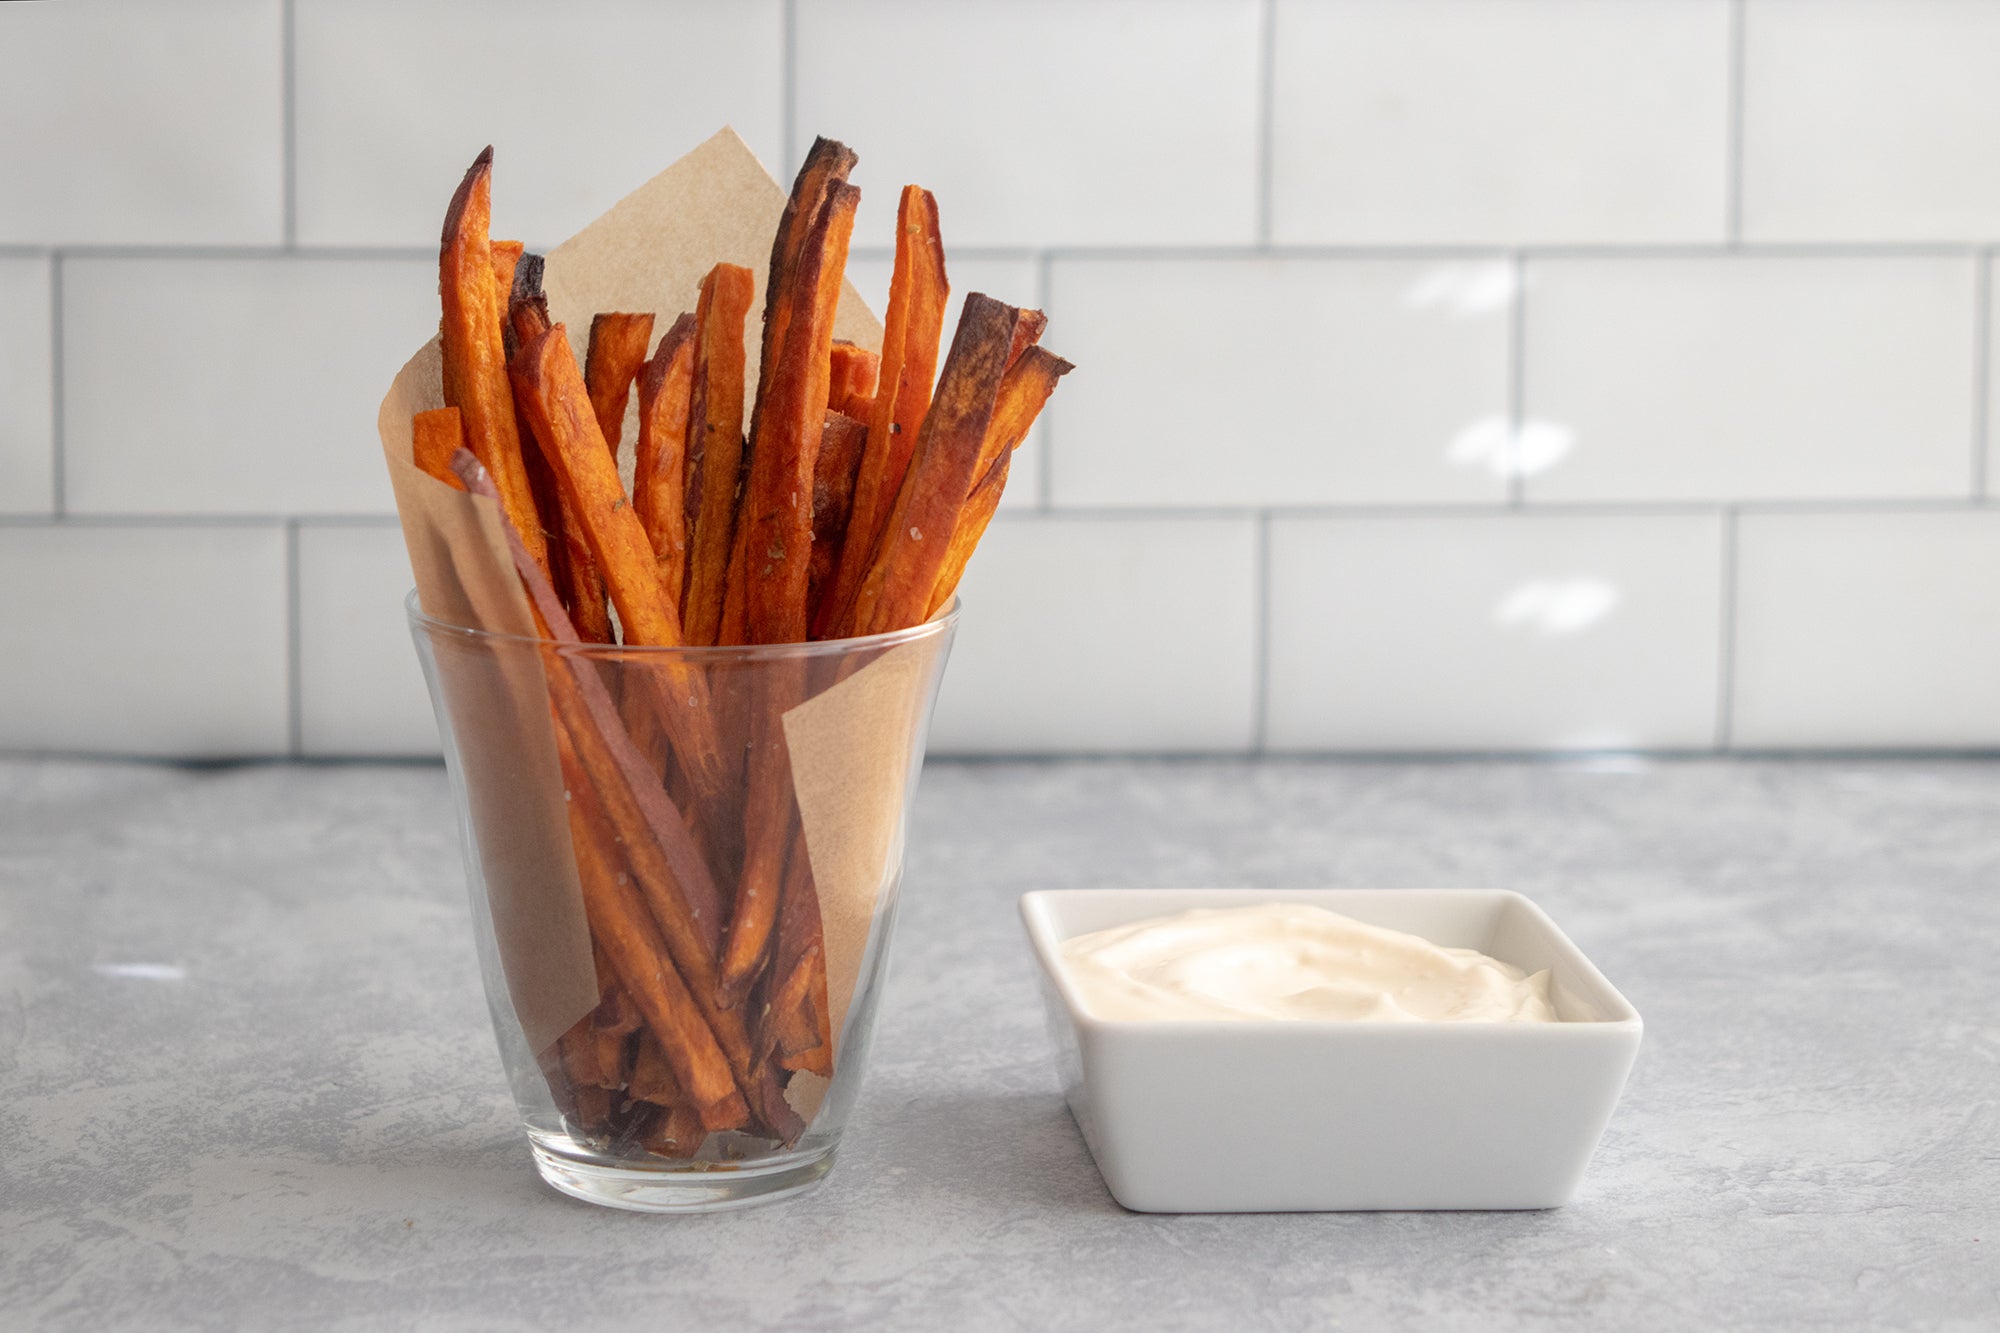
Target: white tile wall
x,y
583,102
27,451
134,122
1015,280
1043,122
1723,472
1483,121
1082,634
1495,632
1871,120
1862,630
360,691
238,386
166,640
1278,381
1739,378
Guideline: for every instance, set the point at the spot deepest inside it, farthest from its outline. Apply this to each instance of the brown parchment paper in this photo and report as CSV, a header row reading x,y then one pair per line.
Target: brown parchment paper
x,y
649,252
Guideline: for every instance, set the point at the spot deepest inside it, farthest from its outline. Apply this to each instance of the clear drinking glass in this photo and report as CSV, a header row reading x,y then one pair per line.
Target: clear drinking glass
x,y
684,865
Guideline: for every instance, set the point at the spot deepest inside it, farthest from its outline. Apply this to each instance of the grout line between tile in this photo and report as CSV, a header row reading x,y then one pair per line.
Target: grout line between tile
x,y
1517,362
1045,455
58,456
1725,687
294,708
1267,60
1732,185
341,253
1982,365
1260,682
291,125
788,86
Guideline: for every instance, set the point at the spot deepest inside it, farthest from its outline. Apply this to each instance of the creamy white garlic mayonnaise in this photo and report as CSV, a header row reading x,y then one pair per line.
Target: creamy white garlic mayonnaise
x,y
1293,961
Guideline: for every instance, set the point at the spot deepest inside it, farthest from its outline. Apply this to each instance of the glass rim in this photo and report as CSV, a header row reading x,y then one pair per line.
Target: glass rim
x,y
945,620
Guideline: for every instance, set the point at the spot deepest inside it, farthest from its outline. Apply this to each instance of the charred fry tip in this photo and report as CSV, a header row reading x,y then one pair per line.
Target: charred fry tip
x,y
480,171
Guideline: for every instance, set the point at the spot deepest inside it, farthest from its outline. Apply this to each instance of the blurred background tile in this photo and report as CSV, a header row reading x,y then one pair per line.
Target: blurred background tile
x,y
1279,381
1484,121
137,123
1042,122
155,640
1752,378
27,427
1518,632
1870,120
583,103
1123,634
361,691
1864,630
234,386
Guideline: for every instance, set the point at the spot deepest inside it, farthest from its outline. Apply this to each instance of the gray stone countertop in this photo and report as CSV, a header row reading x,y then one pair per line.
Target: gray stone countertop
x,y
246,1076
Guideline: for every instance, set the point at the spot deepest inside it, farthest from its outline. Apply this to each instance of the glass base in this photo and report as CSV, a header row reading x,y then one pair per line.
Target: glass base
x,y
706,1188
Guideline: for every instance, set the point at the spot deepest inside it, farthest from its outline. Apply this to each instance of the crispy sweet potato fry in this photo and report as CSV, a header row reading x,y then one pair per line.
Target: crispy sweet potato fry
x,y
506,256
904,571
855,373
435,436
617,348
659,478
475,367
679,1132
840,444
824,170
803,1037
715,445
918,292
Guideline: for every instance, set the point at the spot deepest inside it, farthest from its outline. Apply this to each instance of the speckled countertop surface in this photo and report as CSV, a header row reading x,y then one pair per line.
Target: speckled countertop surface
x,y
246,1078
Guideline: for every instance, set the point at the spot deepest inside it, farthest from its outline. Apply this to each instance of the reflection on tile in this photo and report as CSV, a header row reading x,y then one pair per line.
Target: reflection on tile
x,y
1497,121
141,123
361,691
1115,634
234,386
1494,632
27,430
1870,120
1042,122
1270,381
1752,378
144,640
1867,630
583,103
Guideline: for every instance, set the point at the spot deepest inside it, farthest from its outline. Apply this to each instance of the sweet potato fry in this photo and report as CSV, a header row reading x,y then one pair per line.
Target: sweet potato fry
x,y
896,592
679,1132
556,408
854,374
918,292
435,436
659,478
617,348
824,171
840,444
803,1037
506,256
715,445
475,367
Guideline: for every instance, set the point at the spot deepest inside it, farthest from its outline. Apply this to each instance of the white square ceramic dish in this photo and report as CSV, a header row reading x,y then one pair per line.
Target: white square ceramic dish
x,y
1187,1117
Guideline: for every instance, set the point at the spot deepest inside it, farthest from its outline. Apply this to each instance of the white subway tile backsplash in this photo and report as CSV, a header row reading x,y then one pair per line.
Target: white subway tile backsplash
x,y
361,691
1280,381
27,428
1108,634
583,102
1751,378
1867,630
142,123
1871,120
1499,632
1485,121
234,386
1042,122
1013,280
143,640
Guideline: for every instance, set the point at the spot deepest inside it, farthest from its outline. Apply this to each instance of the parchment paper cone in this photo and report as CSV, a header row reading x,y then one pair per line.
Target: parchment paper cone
x,y
850,745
